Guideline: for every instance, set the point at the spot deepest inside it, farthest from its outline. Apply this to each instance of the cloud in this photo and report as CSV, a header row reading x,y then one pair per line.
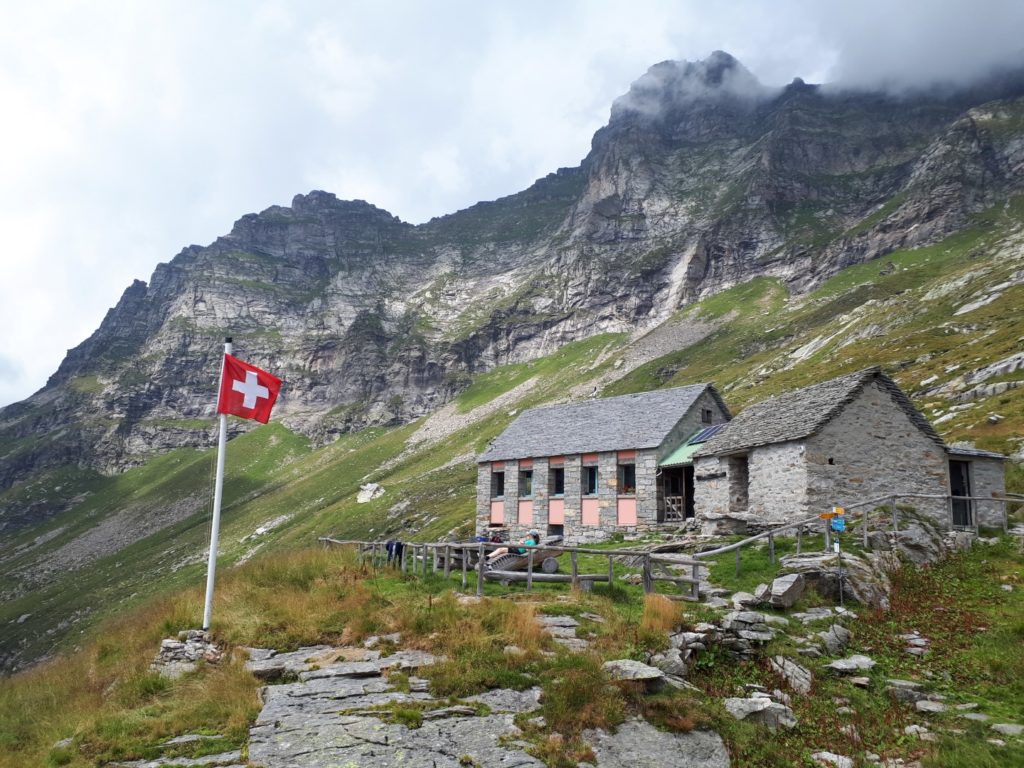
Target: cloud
x,y
134,129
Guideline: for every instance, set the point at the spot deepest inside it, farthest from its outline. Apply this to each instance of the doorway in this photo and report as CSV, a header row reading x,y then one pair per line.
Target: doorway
x,y
960,485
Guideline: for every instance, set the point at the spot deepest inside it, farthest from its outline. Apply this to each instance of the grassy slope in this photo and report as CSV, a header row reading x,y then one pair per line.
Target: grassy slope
x,y
114,709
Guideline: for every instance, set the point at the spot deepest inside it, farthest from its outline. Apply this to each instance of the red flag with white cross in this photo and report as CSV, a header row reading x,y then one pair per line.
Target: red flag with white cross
x,y
246,390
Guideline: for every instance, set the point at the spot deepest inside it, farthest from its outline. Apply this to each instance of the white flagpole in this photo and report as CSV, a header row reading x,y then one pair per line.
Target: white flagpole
x,y
222,440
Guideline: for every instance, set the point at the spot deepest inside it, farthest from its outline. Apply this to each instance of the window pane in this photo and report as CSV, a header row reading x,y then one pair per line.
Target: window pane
x,y
497,484
557,481
590,481
526,483
627,478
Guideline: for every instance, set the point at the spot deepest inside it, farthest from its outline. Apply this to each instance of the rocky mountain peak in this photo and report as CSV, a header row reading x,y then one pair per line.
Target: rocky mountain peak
x,y
670,86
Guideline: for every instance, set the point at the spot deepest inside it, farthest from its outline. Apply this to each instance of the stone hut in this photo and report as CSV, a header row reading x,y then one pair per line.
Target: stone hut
x,y
585,470
850,439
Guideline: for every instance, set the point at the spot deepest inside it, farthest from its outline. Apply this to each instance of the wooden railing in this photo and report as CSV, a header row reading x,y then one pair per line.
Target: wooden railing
x,y
439,557
863,510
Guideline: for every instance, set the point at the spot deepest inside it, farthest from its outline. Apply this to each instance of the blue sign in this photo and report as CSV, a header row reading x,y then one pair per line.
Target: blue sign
x,y
838,524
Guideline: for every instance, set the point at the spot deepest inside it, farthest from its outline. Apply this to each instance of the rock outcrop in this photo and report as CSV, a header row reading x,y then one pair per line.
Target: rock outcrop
x,y
702,179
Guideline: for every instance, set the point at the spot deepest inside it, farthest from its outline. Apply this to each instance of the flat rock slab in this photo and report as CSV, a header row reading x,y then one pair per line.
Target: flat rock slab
x,y
506,701
328,720
851,664
222,759
638,744
1008,729
629,669
798,677
761,709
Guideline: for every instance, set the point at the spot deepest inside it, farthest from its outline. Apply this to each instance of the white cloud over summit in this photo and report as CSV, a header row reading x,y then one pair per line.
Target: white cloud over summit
x,y
131,130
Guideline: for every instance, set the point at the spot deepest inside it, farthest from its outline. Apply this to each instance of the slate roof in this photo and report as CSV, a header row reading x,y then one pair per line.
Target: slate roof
x,y
975,452
619,423
802,412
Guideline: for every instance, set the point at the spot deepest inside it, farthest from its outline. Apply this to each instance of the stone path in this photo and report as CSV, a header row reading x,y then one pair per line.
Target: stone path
x,y
334,716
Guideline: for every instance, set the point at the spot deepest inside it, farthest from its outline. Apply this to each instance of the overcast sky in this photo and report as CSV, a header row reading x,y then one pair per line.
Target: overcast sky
x,y
133,129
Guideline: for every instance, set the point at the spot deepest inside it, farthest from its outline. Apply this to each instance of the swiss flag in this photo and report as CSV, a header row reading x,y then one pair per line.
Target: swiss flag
x,y
247,391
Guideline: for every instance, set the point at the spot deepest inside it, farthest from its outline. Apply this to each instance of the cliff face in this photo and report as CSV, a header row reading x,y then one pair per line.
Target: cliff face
x,y
703,178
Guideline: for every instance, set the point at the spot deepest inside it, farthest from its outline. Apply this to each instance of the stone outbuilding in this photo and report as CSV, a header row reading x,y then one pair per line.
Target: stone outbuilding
x,y
585,470
850,439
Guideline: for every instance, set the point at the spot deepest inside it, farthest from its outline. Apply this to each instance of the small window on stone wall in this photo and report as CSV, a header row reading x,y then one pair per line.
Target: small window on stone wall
x,y
706,416
526,483
497,484
627,479
557,481
590,481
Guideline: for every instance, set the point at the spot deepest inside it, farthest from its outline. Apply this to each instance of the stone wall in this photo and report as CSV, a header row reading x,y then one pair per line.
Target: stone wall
x,y
710,487
876,450
778,483
988,479
574,531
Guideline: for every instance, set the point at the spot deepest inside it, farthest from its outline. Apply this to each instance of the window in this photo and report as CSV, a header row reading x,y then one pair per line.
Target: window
x,y
497,485
627,479
526,483
706,416
556,483
590,481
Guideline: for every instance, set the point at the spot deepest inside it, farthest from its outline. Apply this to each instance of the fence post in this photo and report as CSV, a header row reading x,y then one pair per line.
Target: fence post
x,y
738,561
433,551
949,511
799,538
1006,516
425,560
648,581
465,562
611,571
828,535
695,587
529,571
575,570
481,563
402,561
771,548
866,519
447,560
895,521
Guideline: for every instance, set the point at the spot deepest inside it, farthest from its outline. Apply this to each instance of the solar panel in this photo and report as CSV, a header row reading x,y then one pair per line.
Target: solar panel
x,y
705,434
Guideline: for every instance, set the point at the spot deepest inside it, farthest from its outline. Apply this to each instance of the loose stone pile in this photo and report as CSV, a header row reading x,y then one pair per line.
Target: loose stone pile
x,y
181,655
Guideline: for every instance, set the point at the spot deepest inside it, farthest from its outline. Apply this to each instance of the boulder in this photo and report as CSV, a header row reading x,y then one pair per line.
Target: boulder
x,y
832,759
799,678
864,580
761,709
629,669
905,690
929,707
786,590
836,638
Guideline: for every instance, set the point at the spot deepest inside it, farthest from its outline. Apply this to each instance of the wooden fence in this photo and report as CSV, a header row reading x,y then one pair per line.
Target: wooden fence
x,y
465,558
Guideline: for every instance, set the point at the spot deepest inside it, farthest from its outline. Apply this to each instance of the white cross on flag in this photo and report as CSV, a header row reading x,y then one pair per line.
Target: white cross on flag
x,y
246,390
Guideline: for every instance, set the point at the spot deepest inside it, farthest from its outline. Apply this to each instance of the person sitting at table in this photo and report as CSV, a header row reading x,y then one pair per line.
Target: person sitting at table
x,y
532,540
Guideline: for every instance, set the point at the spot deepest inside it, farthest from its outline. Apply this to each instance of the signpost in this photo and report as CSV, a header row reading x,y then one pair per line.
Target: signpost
x,y
838,526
